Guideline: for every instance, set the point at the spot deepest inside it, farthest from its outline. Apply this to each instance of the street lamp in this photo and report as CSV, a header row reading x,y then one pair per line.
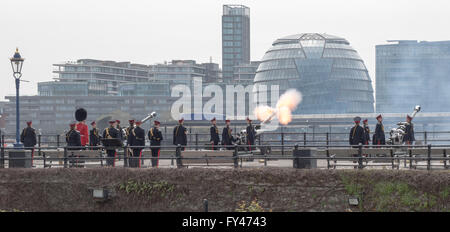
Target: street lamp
x,y
16,64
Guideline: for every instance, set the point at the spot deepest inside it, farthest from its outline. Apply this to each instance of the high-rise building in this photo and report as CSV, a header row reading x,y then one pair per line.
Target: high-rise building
x,y
244,73
328,72
235,38
410,73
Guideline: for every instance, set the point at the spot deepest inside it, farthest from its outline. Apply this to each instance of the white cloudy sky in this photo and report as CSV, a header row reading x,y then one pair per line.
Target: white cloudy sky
x,y
152,31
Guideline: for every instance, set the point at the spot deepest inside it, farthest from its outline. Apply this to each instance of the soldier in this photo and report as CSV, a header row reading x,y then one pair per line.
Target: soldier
x,y
84,132
227,137
109,133
28,138
128,135
94,136
73,139
214,132
378,136
119,128
357,133
251,134
138,141
408,138
180,134
366,131
155,137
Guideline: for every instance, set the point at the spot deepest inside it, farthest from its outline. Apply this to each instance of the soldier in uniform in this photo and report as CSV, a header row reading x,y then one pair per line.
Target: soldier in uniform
x,y
155,137
84,132
119,128
214,132
366,131
94,136
357,133
227,137
28,138
73,139
180,134
109,133
408,138
251,134
378,136
138,140
129,137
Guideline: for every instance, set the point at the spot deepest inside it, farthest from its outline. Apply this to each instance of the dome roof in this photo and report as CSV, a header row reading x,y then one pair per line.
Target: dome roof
x,y
325,68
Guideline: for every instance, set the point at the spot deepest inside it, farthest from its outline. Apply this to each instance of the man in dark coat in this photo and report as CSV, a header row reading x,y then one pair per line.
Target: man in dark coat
x,y
94,136
408,138
180,135
357,133
366,131
214,132
111,133
155,137
119,128
73,139
251,134
28,138
138,144
227,136
129,137
379,136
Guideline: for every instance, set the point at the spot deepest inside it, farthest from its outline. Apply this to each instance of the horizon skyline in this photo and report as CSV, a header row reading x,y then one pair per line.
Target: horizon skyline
x,y
98,45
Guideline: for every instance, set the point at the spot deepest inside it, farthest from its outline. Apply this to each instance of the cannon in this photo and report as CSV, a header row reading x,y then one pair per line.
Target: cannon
x,y
396,134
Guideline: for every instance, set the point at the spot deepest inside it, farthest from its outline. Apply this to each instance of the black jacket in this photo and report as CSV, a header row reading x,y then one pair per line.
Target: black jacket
x,y
73,139
179,135
251,134
129,135
227,137
94,137
378,136
409,133
111,132
28,137
214,132
155,137
356,135
138,136
366,134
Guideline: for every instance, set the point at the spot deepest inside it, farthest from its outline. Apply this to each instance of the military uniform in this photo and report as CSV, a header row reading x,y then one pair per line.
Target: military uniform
x,y
251,134
179,136
138,140
378,136
366,134
94,138
408,138
73,139
109,133
155,137
357,133
28,138
227,138
214,132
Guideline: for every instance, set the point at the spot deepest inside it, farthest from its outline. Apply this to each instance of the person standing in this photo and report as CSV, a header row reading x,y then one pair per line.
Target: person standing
x,y
251,134
84,132
227,137
128,135
28,138
73,139
379,136
366,131
357,133
155,137
111,133
119,129
408,138
94,136
138,144
214,132
180,134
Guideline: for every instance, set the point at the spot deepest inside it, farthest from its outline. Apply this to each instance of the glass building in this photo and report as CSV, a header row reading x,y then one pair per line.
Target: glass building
x,y
327,71
235,38
412,73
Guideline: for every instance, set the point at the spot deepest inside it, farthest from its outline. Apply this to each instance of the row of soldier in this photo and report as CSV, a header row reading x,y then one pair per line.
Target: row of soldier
x,y
360,135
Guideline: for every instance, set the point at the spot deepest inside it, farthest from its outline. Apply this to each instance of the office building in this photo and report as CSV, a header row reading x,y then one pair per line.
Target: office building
x,y
410,73
327,71
235,38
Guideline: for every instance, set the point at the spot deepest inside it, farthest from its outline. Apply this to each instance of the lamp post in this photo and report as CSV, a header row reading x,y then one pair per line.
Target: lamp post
x,y
16,64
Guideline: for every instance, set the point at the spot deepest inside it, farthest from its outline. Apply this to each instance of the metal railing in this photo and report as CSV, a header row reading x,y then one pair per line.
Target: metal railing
x,y
358,157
